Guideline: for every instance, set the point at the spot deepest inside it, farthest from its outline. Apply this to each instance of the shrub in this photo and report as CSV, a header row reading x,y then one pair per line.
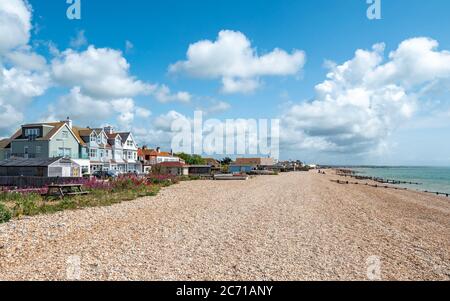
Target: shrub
x,y
27,204
5,214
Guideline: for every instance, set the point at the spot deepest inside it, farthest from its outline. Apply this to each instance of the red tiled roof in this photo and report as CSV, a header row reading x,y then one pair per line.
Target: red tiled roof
x,y
172,164
153,153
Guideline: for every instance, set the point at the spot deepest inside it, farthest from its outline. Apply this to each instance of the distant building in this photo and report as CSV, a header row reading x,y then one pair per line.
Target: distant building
x,y
212,162
172,168
150,157
40,167
200,170
241,168
255,161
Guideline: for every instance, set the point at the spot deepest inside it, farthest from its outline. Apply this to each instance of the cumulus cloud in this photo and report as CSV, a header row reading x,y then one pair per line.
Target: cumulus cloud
x,y
103,73
164,95
365,99
9,117
215,107
158,131
84,108
15,24
23,73
232,59
99,72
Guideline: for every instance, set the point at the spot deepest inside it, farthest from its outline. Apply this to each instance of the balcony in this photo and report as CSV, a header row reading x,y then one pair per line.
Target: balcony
x,y
70,156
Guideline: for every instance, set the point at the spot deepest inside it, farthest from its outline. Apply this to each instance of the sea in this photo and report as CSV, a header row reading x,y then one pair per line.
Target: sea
x,y
432,179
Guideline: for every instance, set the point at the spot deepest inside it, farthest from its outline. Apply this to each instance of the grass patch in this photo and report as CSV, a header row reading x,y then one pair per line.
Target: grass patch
x,y
15,205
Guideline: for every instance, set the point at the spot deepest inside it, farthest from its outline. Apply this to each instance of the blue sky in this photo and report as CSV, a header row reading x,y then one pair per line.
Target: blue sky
x,y
325,30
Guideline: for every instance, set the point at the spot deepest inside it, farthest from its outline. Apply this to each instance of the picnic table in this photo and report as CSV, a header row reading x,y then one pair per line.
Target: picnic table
x,y
63,190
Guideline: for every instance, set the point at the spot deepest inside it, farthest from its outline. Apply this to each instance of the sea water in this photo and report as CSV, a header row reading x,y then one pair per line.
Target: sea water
x,y
432,179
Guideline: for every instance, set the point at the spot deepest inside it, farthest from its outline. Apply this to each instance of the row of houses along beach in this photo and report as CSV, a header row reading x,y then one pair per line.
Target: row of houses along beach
x,y
65,150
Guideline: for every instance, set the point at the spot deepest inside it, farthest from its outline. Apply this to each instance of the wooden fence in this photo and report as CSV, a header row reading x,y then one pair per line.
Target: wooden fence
x,y
34,182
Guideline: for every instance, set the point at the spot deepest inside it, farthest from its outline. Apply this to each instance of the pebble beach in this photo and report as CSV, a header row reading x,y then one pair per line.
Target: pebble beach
x,y
294,226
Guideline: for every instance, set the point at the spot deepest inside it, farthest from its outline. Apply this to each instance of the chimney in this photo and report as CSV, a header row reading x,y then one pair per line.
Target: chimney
x,y
108,130
158,149
68,122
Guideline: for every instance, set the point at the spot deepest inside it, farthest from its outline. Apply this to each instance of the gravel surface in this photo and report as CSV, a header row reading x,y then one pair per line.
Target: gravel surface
x,y
296,226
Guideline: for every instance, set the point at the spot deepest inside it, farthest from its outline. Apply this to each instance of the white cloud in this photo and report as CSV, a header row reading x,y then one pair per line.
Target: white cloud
x,y
99,72
15,24
158,132
18,86
143,112
26,59
23,73
246,85
163,94
79,41
84,108
215,106
364,100
232,59
9,117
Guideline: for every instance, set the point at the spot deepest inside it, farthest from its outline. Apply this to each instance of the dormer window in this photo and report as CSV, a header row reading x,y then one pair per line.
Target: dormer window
x,y
93,138
32,132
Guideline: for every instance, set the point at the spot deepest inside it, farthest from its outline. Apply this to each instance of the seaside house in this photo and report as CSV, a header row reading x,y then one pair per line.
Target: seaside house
x,y
96,144
109,150
93,149
149,158
130,152
49,140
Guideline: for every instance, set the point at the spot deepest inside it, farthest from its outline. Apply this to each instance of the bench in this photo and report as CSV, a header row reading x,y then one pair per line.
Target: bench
x,y
63,190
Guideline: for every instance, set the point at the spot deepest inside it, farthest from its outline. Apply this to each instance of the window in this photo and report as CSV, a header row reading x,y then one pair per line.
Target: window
x,y
93,138
65,134
93,153
107,153
38,149
129,155
31,132
64,152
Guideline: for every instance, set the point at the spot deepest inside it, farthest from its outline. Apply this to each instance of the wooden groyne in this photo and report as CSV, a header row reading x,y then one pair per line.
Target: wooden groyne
x,y
387,187
376,179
